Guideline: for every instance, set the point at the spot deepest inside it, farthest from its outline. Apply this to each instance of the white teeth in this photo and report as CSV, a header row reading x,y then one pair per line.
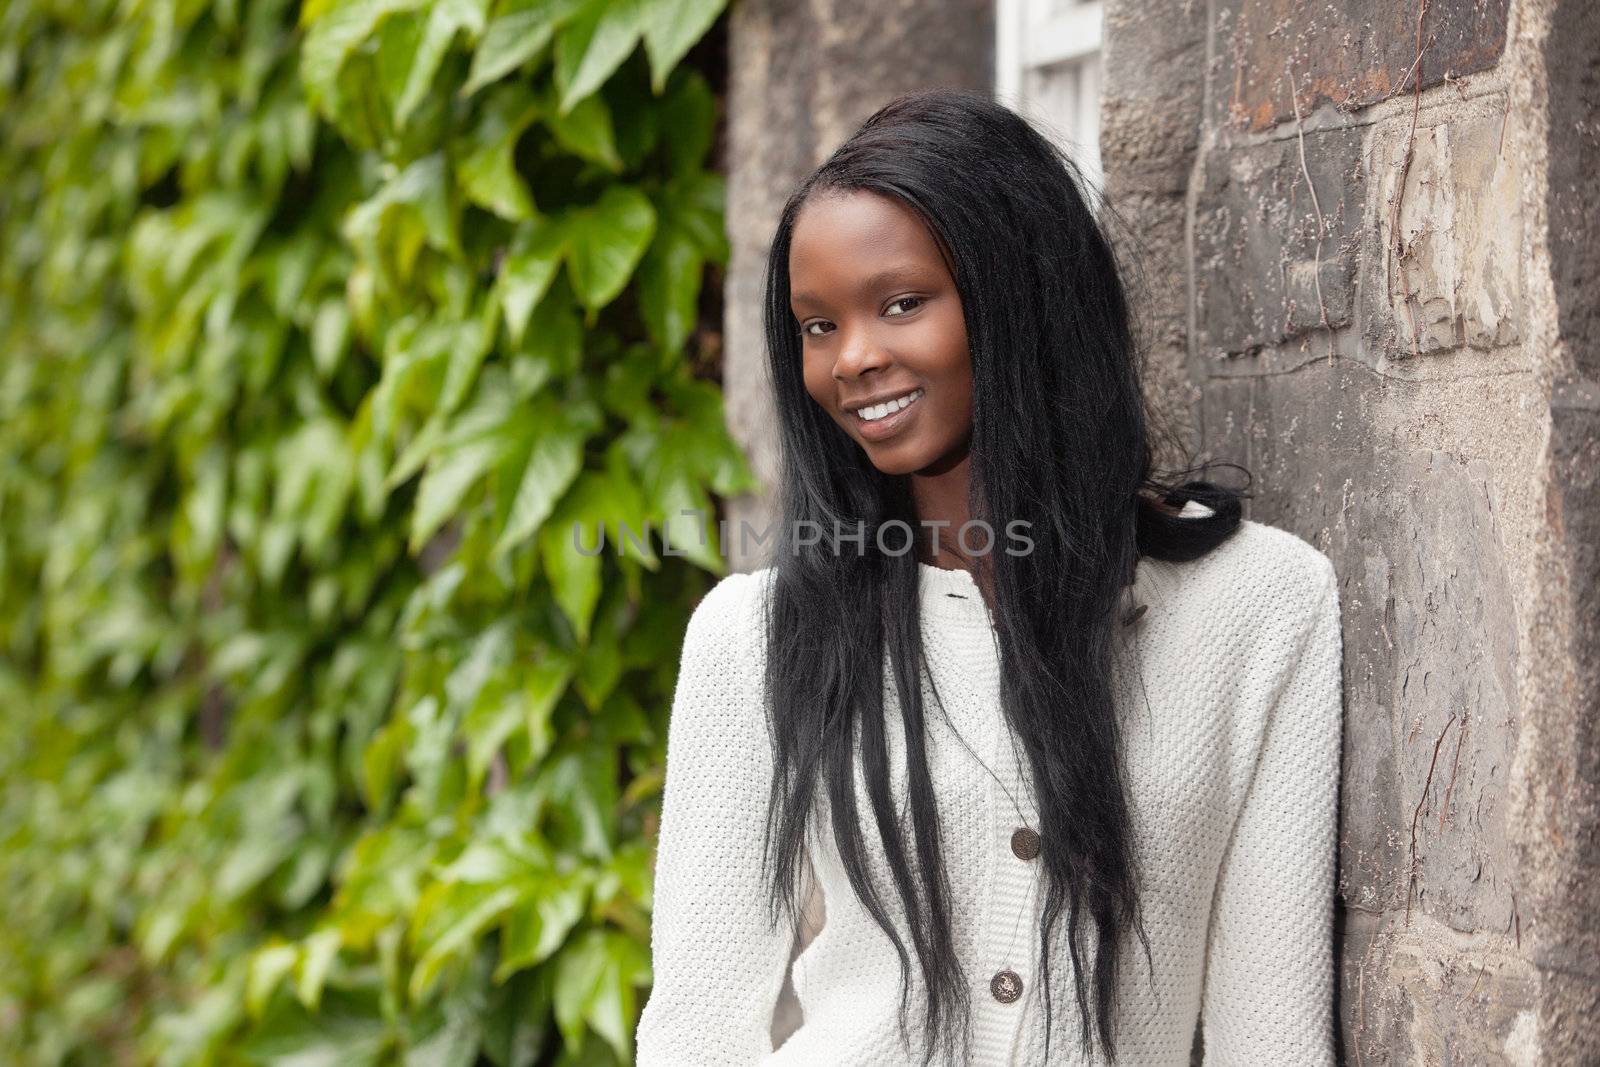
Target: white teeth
x,y
878,411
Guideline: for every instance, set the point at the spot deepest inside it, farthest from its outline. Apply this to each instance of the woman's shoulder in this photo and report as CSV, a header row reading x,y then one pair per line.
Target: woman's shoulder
x,y
1261,577
1280,557
728,615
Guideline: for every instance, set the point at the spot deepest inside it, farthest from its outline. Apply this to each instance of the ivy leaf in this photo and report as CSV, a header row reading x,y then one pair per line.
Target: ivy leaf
x,y
460,347
689,116
450,918
586,131
595,979
317,954
475,443
334,31
348,1031
605,243
517,1021
520,698
669,286
269,966
702,427
695,203
548,466
539,923
689,523
488,173
528,270
519,32
671,29
411,208
579,791
590,515
330,336
555,333
594,44
445,20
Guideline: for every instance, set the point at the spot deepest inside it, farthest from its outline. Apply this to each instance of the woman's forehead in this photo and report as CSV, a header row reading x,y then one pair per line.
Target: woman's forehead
x,y
859,236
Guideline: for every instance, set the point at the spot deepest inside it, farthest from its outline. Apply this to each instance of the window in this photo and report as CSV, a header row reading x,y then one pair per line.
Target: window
x,y
1047,66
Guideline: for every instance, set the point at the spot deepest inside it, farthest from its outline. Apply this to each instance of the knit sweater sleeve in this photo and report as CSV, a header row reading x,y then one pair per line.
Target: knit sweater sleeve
x,y
1268,994
718,964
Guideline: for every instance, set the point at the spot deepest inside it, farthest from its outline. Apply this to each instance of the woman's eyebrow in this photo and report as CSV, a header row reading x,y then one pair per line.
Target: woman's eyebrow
x,y
879,279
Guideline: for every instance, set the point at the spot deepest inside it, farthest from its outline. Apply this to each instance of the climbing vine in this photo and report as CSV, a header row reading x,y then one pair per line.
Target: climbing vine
x,y
321,325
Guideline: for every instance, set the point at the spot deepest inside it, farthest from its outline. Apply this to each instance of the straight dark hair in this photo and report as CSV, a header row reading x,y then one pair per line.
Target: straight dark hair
x,y
1061,440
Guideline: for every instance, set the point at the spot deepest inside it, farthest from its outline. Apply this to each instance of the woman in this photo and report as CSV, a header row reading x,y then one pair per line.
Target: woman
x,y
998,765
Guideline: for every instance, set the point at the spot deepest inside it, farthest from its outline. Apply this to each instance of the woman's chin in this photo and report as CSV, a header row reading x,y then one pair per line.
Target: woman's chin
x,y
898,457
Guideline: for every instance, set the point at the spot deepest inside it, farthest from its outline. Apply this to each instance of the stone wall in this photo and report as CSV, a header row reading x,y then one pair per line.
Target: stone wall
x,y
1378,292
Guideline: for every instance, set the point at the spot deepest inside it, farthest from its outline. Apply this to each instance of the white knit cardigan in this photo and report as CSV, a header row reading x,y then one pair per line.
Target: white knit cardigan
x,y
1232,729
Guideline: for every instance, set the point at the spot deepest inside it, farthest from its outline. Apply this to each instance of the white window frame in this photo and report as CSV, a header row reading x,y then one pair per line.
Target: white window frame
x,y
1032,36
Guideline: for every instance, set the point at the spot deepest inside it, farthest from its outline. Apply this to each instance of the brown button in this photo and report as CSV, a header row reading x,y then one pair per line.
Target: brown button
x,y
1025,843
1006,986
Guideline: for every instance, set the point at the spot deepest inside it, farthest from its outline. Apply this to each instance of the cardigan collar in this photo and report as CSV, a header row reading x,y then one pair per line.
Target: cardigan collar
x,y
952,594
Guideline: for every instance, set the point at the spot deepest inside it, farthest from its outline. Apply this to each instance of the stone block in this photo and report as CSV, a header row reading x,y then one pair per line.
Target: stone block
x,y
1350,53
1263,242
1430,651
1446,259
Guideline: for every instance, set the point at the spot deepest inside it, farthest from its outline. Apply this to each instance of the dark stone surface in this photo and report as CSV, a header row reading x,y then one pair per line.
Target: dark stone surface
x,y
1573,60
1352,53
1430,650
1567,946
1150,122
1150,108
1373,1015
1256,241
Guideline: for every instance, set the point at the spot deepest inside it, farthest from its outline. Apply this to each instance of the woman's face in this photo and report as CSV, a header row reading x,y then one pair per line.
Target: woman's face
x,y
882,332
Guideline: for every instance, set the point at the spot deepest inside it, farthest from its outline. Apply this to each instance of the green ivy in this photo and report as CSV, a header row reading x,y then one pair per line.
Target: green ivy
x,y
320,327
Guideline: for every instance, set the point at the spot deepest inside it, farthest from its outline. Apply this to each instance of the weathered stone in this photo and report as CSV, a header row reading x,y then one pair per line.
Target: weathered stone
x,y
1429,653
1375,1018
1573,202
1154,83
1446,259
1351,53
1263,238
1150,119
1469,996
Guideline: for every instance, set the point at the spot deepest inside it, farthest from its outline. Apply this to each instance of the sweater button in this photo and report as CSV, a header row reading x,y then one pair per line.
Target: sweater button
x,y
1025,843
1006,986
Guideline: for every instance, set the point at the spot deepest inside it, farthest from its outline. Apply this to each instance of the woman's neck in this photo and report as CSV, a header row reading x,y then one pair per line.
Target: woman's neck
x,y
940,496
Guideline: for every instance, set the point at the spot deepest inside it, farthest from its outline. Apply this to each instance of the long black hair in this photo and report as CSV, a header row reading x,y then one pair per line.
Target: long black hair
x,y
1061,440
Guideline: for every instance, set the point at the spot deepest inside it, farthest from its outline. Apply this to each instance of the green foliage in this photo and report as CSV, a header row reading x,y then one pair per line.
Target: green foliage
x,y
319,328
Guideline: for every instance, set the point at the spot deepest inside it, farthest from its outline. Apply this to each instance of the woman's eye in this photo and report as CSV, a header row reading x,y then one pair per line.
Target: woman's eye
x,y
815,329
912,300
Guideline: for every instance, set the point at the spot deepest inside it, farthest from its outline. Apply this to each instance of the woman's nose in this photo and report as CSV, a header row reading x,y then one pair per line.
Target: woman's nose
x,y
857,355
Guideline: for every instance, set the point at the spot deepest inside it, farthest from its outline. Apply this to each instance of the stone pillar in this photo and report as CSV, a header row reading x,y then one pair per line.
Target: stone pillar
x,y
802,77
1377,290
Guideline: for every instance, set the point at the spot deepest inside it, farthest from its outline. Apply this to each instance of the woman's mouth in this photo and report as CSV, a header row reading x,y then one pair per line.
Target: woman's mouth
x,y
877,421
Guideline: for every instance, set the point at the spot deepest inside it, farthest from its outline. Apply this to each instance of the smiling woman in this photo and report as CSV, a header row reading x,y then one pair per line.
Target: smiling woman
x,y
995,769
885,346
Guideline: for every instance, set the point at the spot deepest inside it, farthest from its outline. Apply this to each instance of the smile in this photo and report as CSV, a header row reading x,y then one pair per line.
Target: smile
x,y
876,422
882,411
